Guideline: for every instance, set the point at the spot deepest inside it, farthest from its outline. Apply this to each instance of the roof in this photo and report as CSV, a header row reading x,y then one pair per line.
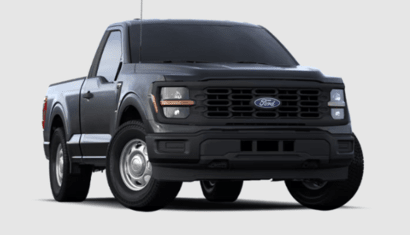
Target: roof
x,y
187,22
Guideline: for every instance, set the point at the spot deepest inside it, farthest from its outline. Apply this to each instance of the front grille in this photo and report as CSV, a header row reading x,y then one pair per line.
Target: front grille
x,y
236,103
264,124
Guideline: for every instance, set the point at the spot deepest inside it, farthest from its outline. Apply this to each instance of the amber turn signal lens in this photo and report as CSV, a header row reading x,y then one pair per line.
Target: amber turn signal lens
x,y
177,102
154,101
44,112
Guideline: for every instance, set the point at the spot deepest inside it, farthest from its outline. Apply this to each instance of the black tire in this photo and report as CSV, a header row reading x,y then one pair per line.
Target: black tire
x,y
332,194
72,187
156,194
221,191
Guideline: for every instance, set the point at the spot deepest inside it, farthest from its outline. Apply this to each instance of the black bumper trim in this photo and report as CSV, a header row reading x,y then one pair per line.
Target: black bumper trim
x,y
182,174
219,155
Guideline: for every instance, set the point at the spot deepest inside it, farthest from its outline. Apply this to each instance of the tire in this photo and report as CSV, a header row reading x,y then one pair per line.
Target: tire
x,y
66,187
221,191
322,195
128,168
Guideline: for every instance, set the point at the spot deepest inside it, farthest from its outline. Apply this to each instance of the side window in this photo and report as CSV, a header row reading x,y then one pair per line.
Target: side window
x,y
110,58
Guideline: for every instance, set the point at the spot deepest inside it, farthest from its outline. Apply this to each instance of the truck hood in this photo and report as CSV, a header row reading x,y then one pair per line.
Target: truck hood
x,y
228,71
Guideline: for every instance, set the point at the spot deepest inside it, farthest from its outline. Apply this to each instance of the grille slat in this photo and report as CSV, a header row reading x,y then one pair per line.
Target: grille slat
x,y
238,103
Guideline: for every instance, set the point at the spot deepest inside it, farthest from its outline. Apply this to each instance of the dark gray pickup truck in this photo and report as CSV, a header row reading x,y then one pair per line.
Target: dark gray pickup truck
x,y
185,100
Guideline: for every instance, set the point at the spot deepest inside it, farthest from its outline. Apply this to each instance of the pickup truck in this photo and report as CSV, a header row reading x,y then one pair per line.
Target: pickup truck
x,y
220,102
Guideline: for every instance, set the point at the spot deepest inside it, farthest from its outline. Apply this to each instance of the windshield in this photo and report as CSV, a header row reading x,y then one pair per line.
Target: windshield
x,y
168,43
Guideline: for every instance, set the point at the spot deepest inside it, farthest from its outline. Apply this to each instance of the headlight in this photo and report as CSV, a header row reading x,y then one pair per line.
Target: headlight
x,y
337,98
175,96
174,93
338,114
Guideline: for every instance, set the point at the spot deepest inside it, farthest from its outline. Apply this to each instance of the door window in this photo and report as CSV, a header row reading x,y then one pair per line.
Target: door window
x,y
110,58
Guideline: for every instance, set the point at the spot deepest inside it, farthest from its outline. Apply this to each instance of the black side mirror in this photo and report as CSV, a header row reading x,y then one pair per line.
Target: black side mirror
x,y
103,79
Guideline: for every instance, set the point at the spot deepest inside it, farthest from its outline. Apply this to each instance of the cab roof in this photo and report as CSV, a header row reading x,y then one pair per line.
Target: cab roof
x,y
186,21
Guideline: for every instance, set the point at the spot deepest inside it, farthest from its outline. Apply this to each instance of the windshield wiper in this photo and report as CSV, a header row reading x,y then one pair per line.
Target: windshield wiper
x,y
249,62
203,61
180,61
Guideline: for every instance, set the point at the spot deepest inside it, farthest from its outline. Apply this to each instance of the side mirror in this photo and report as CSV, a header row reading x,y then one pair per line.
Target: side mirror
x,y
103,79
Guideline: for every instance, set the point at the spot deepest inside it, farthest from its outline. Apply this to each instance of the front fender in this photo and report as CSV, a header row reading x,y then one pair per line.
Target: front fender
x,y
131,99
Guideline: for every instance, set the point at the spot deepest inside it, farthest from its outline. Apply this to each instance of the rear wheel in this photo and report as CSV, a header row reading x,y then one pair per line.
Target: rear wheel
x,y
221,191
129,172
66,186
328,195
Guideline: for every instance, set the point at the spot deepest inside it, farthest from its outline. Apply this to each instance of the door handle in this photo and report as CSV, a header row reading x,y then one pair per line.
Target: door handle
x,y
88,95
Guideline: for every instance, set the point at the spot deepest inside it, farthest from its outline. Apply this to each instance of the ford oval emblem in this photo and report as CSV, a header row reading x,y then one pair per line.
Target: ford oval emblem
x,y
266,103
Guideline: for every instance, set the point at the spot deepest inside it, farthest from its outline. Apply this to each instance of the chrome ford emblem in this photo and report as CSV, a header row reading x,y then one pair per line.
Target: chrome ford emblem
x,y
266,102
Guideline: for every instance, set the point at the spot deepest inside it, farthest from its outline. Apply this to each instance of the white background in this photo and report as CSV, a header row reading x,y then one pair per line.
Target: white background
x,y
364,42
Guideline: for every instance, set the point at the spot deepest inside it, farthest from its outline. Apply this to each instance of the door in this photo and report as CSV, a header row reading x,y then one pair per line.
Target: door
x,y
99,99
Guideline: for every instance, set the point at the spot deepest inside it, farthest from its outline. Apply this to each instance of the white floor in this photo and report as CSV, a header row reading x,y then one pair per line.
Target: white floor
x,y
263,207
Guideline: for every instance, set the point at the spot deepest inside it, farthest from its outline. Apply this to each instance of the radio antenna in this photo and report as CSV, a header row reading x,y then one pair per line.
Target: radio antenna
x,y
141,32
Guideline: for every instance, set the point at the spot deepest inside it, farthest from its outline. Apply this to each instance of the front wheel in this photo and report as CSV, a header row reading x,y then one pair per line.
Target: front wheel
x,y
221,191
323,195
129,172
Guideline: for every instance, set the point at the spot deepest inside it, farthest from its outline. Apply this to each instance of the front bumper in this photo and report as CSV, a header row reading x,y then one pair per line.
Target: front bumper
x,y
250,154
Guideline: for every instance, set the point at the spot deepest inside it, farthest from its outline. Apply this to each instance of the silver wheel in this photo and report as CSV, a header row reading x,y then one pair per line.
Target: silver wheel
x,y
59,165
314,184
135,168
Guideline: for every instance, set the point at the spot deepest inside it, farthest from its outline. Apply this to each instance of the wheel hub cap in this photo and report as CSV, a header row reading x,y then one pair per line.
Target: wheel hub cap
x,y
137,165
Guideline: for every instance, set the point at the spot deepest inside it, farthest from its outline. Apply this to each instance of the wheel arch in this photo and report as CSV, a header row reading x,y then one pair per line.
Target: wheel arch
x,y
58,119
132,109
